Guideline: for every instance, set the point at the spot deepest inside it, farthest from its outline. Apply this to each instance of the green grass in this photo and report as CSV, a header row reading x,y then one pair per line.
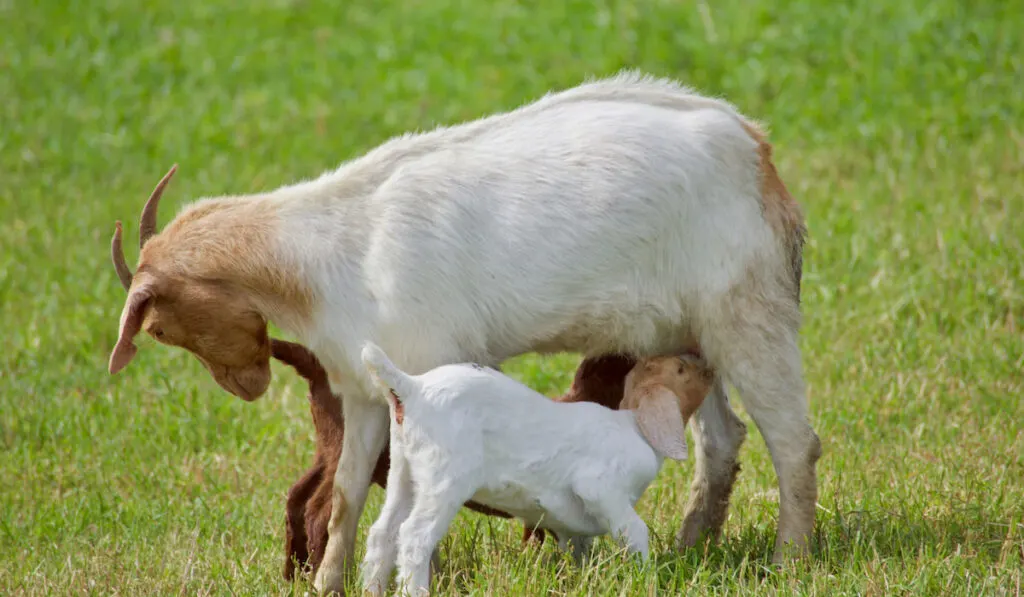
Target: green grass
x,y
898,125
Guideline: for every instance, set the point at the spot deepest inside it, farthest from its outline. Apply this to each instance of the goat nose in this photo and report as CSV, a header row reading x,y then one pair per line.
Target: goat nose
x,y
252,382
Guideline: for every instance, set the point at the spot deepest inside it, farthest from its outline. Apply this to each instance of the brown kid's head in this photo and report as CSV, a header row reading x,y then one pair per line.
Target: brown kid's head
x,y
664,392
601,380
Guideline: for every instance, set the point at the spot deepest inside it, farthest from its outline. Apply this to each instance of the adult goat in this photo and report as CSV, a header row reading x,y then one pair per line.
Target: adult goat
x,y
623,216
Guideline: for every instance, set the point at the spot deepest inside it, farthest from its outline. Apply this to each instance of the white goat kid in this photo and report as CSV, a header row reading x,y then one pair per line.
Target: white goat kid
x,y
465,431
623,216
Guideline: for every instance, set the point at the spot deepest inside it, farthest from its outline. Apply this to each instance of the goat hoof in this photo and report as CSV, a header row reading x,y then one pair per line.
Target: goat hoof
x,y
790,552
329,582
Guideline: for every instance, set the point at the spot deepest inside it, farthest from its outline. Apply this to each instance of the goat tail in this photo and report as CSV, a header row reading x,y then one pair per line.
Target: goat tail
x,y
386,373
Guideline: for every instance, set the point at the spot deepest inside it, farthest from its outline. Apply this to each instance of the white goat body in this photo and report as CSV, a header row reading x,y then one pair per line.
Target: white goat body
x,y
595,225
524,452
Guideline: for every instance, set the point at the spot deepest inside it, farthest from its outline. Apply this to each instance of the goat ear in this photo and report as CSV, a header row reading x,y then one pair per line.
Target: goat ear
x,y
661,422
131,323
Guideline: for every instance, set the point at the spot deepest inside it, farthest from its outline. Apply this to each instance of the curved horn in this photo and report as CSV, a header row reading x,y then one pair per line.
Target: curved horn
x,y
124,273
147,222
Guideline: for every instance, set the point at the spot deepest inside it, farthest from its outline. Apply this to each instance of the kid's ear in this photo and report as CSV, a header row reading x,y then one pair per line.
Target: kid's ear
x,y
660,421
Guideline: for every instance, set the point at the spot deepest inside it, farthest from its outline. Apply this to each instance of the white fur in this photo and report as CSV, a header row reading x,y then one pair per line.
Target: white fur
x,y
470,432
623,215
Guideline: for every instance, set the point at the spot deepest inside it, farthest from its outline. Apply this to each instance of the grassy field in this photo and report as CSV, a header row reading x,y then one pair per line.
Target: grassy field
x,y
899,126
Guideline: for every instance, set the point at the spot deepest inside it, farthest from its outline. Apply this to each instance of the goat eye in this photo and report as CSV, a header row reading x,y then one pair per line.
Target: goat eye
x,y
158,333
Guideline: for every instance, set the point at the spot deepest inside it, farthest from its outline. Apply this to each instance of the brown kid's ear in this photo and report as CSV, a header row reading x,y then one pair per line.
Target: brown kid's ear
x,y
661,423
131,323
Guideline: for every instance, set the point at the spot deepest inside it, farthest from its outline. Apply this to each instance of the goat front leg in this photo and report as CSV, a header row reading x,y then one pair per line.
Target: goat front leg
x,y
616,514
627,527
366,428
717,436
578,547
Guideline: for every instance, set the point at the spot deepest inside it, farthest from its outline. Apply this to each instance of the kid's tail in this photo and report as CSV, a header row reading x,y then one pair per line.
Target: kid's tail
x,y
385,373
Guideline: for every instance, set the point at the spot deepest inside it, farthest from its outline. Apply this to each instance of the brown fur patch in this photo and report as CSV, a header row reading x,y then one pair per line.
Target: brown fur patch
x,y
229,240
781,211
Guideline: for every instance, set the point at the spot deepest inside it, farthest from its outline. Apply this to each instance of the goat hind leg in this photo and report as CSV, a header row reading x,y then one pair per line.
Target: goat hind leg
x,y
296,542
718,434
382,540
761,358
419,536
